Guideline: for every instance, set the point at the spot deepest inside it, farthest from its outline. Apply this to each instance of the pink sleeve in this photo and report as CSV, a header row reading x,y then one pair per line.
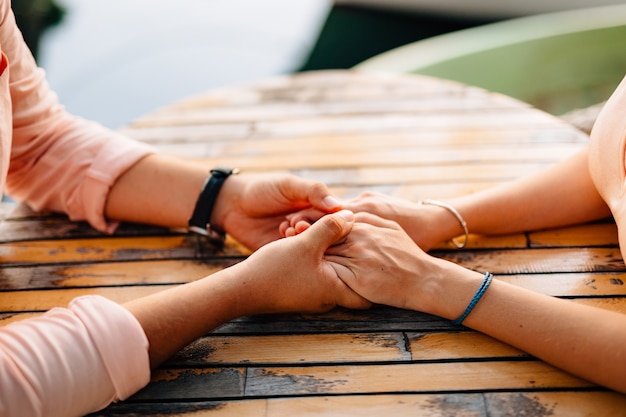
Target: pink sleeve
x,y
70,362
58,162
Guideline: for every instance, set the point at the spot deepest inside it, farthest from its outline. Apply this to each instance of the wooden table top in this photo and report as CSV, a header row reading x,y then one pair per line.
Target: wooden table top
x,y
406,135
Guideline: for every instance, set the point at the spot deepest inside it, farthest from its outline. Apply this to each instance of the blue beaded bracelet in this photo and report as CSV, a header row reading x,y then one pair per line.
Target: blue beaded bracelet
x,y
481,291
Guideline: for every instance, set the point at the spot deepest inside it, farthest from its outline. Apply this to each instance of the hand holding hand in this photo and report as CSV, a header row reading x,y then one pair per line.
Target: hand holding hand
x,y
379,261
251,207
292,275
426,225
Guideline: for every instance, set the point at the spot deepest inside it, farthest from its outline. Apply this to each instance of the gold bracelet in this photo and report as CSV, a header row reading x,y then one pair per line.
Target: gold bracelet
x,y
456,214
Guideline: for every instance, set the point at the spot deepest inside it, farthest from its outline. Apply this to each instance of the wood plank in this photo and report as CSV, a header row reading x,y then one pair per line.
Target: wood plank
x,y
458,345
374,141
536,261
571,284
193,383
297,348
393,158
428,405
407,378
43,300
362,124
110,249
51,227
414,174
344,107
495,404
557,404
594,234
224,408
109,274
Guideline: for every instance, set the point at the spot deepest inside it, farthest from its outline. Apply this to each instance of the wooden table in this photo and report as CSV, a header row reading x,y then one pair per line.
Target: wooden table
x,y
409,136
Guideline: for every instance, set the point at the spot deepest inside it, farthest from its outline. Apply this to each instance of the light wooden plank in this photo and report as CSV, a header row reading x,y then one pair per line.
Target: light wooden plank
x,y
536,261
458,405
571,285
408,378
458,345
393,158
414,174
595,234
617,304
302,348
42,300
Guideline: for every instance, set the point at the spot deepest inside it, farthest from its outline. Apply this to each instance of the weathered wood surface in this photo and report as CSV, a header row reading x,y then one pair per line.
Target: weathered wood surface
x,y
408,136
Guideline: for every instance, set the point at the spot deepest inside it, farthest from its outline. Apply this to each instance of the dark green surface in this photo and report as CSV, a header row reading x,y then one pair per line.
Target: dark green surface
x,y
33,17
353,34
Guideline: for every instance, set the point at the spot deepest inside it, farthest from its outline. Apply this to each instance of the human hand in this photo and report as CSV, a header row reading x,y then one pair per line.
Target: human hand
x,y
292,274
426,225
380,262
251,207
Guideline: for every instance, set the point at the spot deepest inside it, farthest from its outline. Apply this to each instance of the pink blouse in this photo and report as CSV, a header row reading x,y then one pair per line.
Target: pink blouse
x,y
76,360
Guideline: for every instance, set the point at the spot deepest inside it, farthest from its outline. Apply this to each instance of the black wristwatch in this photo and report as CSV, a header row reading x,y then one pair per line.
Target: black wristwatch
x,y
200,221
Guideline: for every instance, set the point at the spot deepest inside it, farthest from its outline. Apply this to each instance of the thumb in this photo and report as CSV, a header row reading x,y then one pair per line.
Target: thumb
x,y
330,228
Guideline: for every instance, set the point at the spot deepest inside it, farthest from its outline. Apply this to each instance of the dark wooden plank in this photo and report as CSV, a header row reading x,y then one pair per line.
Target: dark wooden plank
x,y
294,348
193,383
110,274
540,404
496,404
112,249
408,378
55,227
223,408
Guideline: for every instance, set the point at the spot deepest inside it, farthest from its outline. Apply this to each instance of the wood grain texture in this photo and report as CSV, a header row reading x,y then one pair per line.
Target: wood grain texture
x,y
408,136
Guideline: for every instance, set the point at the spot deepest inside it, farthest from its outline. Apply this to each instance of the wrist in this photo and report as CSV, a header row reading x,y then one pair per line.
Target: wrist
x,y
443,223
201,220
450,289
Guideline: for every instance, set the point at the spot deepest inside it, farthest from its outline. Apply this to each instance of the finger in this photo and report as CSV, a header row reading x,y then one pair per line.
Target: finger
x,y
348,296
301,226
311,215
329,229
282,228
316,193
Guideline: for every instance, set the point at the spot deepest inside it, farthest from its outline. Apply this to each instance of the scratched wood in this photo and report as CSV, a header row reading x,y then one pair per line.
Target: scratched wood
x,y
407,136
294,348
540,404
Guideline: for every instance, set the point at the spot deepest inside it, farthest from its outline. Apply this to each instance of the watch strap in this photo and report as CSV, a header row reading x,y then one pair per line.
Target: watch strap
x,y
200,220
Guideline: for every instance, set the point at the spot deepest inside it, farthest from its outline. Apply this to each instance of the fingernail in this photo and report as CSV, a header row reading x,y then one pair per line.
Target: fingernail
x,y
330,202
347,214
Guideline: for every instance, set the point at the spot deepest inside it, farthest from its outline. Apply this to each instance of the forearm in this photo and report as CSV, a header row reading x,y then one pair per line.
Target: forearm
x,y
585,341
562,195
157,190
174,318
